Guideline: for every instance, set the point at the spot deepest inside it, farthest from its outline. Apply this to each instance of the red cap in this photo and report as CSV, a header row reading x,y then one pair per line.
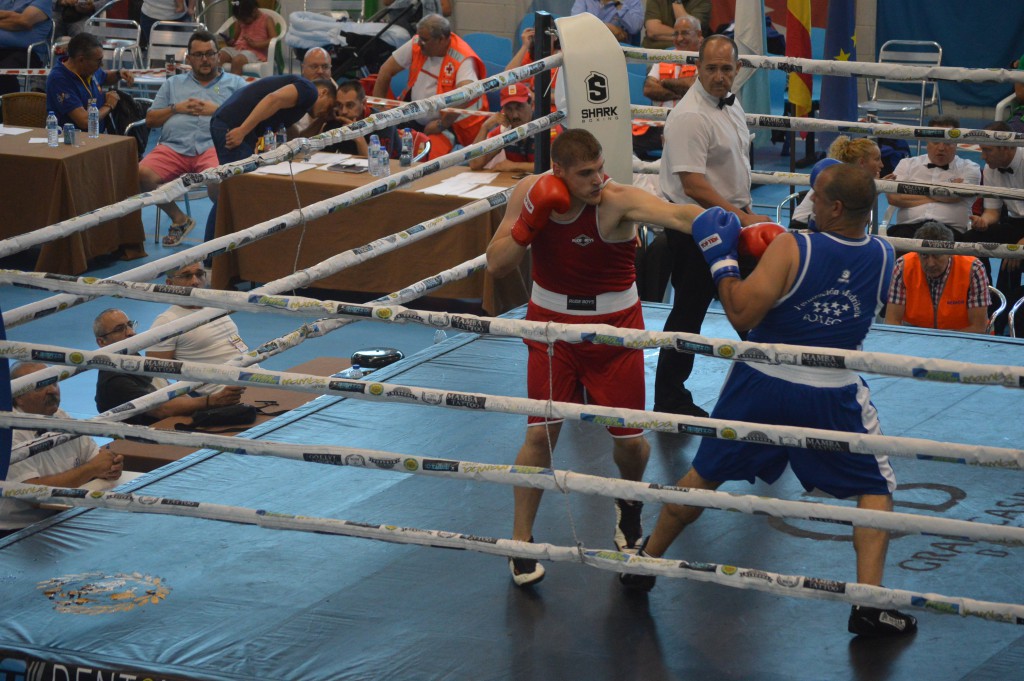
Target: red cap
x,y
516,92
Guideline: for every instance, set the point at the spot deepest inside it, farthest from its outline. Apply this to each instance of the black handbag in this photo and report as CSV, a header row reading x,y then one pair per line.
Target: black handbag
x,y
217,417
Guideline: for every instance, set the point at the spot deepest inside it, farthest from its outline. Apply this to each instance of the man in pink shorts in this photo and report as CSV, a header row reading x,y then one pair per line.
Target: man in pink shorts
x,y
182,109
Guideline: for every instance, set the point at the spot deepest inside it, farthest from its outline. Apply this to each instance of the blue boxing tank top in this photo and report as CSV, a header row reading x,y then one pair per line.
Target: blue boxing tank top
x,y
840,287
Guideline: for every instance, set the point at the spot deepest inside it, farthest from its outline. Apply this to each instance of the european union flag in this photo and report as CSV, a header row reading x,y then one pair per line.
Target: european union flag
x,y
839,93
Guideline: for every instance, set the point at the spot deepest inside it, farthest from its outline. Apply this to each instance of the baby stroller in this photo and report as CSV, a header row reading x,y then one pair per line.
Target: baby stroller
x,y
357,49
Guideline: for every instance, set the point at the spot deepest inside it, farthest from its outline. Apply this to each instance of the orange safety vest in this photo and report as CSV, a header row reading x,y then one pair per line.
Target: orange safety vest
x,y
952,310
465,129
667,69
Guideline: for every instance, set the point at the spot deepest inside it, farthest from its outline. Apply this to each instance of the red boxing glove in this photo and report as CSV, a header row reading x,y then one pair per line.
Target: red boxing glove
x,y
754,239
547,195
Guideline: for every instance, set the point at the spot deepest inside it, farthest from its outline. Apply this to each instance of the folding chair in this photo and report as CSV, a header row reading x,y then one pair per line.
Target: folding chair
x,y
119,36
923,94
996,293
170,39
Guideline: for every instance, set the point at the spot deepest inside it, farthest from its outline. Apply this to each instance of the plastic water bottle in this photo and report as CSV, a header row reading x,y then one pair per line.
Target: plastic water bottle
x,y
405,160
440,336
354,373
282,136
52,130
269,141
373,156
383,162
94,119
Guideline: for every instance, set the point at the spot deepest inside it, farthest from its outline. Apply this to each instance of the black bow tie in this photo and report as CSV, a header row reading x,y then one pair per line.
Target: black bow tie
x,y
726,101
1005,170
936,165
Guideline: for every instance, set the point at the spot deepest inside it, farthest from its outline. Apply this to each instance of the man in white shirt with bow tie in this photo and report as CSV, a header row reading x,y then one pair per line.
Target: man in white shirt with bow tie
x,y
940,164
706,162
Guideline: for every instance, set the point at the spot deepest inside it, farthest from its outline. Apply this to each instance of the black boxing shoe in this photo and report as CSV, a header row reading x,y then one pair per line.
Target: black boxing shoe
x,y
635,582
878,623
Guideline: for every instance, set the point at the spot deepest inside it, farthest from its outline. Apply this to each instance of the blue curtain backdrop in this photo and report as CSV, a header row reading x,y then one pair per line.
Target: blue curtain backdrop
x,y
978,34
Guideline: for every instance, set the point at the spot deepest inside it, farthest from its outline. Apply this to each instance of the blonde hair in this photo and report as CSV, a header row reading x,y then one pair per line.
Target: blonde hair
x,y
851,150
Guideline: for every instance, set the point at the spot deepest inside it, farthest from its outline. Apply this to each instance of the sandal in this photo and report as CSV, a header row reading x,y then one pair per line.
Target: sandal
x,y
176,233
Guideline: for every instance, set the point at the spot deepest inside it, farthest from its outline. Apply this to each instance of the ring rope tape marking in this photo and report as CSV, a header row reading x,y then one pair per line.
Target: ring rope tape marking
x,y
726,575
806,438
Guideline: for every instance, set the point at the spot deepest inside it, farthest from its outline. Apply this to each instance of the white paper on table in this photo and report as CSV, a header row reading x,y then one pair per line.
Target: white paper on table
x,y
457,185
285,168
483,191
474,177
321,158
37,140
7,130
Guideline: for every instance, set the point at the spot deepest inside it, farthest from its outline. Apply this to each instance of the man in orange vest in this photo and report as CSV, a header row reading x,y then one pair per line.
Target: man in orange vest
x,y
438,61
939,291
666,84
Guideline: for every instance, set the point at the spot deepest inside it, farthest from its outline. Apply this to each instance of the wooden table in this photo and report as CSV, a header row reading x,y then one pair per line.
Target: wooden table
x,y
143,457
249,199
41,185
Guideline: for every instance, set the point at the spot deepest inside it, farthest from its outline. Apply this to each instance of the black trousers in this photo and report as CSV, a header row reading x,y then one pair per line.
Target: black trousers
x,y
13,58
1006,231
694,289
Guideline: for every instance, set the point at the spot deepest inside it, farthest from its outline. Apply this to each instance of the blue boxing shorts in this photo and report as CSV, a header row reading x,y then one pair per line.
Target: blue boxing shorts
x,y
831,401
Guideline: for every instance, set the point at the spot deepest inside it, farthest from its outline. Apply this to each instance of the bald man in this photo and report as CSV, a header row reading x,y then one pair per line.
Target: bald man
x,y
315,65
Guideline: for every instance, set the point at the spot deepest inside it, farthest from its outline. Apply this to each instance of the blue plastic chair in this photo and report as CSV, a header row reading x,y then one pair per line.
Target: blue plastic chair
x,y
495,52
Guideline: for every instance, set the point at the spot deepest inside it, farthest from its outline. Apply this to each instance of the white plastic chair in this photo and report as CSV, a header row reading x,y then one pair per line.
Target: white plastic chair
x,y
275,51
1013,314
891,105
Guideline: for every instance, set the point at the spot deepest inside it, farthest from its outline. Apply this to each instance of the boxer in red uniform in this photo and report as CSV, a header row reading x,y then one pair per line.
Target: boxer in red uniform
x,y
579,227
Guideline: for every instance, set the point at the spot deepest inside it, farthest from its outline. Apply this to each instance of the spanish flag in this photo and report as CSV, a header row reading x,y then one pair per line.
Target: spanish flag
x,y
798,44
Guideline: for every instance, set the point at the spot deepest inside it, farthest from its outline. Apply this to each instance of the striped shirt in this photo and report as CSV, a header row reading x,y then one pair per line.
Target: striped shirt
x,y
977,295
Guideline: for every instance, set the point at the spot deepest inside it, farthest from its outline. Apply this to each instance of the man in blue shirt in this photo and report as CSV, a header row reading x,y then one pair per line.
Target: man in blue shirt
x,y
182,109
269,102
22,22
77,79
833,284
624,18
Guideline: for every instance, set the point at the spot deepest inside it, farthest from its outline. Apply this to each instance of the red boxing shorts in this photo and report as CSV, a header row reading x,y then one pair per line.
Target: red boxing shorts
x,y
612,377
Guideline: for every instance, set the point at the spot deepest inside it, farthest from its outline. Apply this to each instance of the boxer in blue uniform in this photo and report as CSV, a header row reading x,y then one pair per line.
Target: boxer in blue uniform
x,y
821,289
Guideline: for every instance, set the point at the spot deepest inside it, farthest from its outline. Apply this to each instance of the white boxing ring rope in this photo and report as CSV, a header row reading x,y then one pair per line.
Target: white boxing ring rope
x,y
658,114
541,478
806,438
315,329
781,584
295,218
726,575
179,187
828,67
886,364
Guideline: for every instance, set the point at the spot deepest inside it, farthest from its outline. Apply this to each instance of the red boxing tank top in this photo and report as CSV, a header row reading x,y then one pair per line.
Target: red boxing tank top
x,y
573,258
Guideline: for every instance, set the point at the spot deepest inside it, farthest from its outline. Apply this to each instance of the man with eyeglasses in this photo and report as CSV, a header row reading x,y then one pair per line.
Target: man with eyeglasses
x,y
438,61
315,65
79,78
114,389
665,85
182,110
834,282
660,16
215,342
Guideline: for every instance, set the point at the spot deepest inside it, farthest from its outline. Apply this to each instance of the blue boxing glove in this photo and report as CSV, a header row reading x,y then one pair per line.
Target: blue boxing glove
x,y
717,233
